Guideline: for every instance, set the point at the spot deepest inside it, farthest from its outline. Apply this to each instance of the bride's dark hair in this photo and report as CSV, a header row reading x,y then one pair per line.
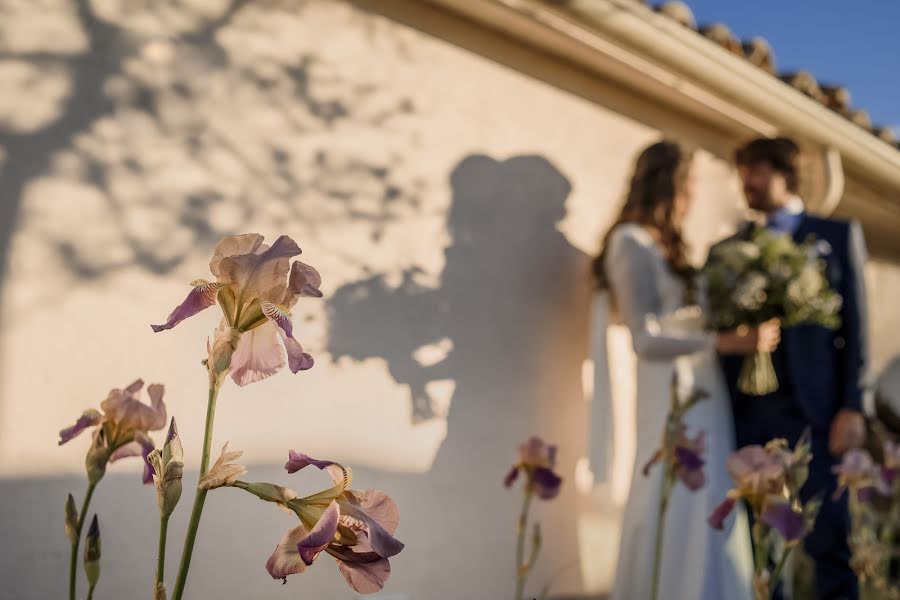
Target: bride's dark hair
x,y
660,173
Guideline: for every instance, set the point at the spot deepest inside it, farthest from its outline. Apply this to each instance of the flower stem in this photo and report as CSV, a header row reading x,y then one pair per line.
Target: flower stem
x,y
90,595
73,564
759,532
664,492
776,574
161,553
521,568
200,497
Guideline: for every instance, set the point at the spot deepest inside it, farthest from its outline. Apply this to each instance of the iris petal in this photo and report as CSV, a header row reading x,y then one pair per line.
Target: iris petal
x,y
340,475
201,297
298,360
720,513
789,523
258,355
511,476
321,535
380,507
304,281
263,274
285,560
88,419
385,544
365,577
546,483
688,458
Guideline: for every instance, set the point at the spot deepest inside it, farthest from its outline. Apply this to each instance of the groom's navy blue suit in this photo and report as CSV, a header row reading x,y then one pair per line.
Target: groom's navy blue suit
x,y
820,372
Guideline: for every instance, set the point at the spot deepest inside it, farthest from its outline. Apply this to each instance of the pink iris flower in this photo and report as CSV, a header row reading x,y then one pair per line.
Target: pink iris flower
x,y
256,285
537,459
859,473
355,527
757,474
121,427
686,455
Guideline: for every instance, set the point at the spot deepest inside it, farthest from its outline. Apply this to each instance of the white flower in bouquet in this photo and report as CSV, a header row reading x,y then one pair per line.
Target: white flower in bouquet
x,y
737,255
807,286
751,293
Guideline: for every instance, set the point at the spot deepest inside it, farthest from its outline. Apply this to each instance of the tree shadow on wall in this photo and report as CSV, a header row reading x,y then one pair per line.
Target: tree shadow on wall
x,y
135,135
158,136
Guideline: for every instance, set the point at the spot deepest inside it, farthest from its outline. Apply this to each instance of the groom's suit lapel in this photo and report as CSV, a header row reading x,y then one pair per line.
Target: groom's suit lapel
x,y
803,229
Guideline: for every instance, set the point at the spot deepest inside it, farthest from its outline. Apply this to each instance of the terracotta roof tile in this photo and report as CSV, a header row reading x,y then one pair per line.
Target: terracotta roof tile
x,y
861,117
758,52
837,98
678,11
720,34
806,83
886,133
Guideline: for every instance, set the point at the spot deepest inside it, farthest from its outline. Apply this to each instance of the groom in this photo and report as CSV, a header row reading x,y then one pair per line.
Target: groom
x,y
820,371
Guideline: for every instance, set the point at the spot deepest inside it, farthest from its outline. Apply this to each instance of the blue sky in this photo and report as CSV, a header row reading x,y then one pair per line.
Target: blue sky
x,y
855,44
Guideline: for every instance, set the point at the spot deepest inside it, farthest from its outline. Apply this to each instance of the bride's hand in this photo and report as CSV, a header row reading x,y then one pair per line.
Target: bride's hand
x,y
747,340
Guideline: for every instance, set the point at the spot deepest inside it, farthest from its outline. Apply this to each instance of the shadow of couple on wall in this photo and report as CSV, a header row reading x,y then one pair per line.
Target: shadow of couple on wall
x,y
512,285
513,302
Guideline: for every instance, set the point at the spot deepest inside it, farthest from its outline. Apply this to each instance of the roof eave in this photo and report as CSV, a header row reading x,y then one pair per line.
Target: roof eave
x,y
626,42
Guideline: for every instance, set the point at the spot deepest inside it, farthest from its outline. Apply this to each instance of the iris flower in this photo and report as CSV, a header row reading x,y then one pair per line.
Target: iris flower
x,y
121,427
537,460
859,474
780,515
891,470
757,474
686,455
224,471
256,285
168,468
355,527
796,461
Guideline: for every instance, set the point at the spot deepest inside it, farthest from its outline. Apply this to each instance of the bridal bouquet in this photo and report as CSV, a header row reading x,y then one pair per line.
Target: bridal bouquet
x,y
768,277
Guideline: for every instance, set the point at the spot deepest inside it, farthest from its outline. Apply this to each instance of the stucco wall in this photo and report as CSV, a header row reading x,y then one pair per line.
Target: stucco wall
x,y
451,202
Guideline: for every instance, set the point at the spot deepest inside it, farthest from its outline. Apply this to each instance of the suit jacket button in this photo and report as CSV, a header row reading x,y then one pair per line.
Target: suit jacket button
x,y
839,342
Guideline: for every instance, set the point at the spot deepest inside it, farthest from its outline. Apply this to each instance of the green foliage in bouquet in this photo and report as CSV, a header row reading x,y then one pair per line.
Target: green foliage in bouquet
x,y
768,277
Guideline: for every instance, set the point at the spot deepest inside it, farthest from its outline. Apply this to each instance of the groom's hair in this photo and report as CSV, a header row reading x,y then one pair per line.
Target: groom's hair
x,y
781,153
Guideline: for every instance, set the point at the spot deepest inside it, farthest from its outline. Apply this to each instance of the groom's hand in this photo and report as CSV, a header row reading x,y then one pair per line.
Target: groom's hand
x,y
848,431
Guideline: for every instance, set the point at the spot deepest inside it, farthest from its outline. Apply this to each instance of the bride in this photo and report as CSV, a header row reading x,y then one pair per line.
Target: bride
x,y
653,290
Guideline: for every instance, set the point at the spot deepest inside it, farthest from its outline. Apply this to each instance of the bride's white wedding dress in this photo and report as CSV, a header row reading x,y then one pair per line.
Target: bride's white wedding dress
x,y
698,563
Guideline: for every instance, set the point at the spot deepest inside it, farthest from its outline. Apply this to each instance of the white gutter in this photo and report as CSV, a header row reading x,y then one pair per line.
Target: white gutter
x,y
534,24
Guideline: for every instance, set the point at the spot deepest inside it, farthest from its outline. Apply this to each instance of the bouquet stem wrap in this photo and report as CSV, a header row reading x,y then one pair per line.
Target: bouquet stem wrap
x,y
757,376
